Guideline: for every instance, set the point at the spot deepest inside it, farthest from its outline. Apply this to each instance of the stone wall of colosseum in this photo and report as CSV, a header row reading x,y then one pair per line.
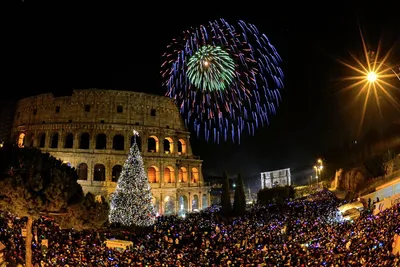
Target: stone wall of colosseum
x,y
92,131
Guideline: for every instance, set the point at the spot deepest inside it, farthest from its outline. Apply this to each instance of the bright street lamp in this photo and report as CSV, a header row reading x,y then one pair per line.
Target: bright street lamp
x,y
318,169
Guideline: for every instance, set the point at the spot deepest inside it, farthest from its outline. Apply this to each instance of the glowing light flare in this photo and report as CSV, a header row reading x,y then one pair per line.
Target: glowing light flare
x,y
373,79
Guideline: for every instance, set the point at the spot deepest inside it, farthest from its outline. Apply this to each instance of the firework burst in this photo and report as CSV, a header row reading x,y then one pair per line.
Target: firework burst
x,y
224,78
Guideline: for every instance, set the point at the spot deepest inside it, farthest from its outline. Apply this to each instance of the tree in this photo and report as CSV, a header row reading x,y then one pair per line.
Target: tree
x,y
33,184
90,213
131,203
226,205
239,203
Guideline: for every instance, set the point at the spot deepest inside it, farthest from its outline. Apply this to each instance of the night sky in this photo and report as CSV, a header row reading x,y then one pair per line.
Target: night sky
x,y
58,48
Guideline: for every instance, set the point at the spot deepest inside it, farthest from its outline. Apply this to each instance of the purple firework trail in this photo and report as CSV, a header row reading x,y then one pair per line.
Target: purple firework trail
x,y
252,95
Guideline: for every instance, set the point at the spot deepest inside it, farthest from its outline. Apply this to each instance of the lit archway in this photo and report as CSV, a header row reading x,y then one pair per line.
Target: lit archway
x,y
183,175
168,145
181,146
195,203
153,144
21,140
204,201
183,205
169,175
169,205
154,174
195,175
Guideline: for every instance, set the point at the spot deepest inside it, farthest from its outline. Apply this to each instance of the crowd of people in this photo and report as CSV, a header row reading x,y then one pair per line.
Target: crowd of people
x,y
304,232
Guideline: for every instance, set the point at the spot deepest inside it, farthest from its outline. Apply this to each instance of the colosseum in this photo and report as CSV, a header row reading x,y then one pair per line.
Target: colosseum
x,y
92,130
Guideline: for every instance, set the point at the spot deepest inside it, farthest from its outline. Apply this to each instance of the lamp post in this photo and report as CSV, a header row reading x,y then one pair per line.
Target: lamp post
x,y
318,169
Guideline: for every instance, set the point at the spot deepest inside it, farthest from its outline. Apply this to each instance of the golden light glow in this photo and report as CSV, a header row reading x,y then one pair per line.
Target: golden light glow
x,y
373,79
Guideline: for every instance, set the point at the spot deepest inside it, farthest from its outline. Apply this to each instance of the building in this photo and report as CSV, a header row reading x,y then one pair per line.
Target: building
x,y
275,178
92,130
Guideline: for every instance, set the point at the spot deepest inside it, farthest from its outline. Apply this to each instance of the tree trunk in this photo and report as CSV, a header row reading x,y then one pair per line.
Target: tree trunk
x,y
28,243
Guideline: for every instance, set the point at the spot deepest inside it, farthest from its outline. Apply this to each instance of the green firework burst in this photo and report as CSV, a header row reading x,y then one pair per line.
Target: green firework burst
x,y
211,68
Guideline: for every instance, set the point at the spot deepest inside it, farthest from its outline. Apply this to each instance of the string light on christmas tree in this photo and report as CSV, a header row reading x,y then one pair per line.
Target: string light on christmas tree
x,y
131,203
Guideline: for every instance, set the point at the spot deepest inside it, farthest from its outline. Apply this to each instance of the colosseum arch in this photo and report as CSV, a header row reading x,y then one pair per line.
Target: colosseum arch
x,y
21,140
99,173
195,175
153,144
169,175
154,174
183,205
156,203
204,201
168,145
101,141
169,205
82,171
181,146
29,138
118,142
195,203
42,140
54,140
183,175
116,172
84,141
138,142
69,141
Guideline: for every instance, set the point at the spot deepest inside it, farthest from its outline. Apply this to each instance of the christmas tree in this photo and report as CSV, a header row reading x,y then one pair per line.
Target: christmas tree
x,y
131,203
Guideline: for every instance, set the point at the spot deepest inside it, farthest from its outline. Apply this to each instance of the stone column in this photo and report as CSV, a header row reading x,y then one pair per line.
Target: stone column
x,y
161,203
75,144
200,204
90,170
177,208
189,202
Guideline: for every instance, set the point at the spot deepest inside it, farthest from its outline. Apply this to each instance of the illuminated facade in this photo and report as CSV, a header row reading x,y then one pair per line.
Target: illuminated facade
x,y
91,130
275,178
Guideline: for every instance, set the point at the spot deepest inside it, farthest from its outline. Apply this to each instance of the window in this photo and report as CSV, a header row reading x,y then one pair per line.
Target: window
x,y
153,112
35,111
87,108
136,123
119,109
102,121
58,109
43,122
18,115
70,121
